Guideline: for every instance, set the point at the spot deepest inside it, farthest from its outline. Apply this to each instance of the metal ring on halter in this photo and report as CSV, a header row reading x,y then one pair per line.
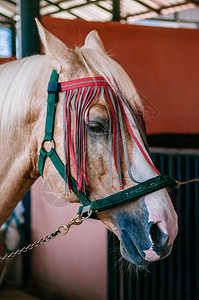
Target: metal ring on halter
x,y
86,212
52,144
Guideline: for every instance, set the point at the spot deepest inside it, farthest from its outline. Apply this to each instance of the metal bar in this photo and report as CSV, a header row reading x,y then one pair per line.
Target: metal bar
x,y
12,2
52,3
177,277
154,159
6,22
75,15
116,286
162,263
131,287
159,10
113,267
26,257
196,221
110,264
116,10
196,2
29,45
153,287
4,16
60,9
128,282
13,30
154,282
138,287
180,237
148,6
188,232
29,37
69,8
102,7
124,283
170,262
146,287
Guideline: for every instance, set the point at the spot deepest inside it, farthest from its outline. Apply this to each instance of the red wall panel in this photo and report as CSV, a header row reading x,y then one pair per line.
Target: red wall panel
x,y
163,63
6,59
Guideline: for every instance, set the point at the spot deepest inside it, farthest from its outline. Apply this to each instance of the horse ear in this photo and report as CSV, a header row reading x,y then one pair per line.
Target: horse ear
x,y
53,47
93,41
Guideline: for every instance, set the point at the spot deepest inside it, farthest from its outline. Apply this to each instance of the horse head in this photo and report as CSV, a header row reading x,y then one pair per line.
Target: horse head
x,y
114,154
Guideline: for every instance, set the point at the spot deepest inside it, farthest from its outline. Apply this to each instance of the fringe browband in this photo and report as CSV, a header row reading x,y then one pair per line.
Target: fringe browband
x,y
80,95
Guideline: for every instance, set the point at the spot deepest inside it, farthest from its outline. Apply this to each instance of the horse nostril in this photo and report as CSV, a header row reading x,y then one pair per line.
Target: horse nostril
x,y
159,238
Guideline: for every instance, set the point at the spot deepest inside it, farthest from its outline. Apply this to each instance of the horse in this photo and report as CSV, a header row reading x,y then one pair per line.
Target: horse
x,y
112,155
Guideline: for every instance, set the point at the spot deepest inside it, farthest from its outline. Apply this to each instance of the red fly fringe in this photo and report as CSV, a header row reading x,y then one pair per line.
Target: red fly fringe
x,y
80,95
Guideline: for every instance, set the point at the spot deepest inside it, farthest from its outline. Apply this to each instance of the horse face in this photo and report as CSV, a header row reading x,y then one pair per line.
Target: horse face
x,y
147,227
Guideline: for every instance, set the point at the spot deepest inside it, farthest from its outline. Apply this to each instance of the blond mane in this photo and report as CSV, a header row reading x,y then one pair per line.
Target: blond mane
x,y
17,84
18,80
105,66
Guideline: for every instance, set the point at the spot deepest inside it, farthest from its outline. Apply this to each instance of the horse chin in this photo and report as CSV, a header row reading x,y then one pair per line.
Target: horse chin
x,y
132,255
138,255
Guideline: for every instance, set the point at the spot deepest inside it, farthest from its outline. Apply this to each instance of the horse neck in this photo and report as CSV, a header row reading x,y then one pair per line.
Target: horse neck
x,y
19,151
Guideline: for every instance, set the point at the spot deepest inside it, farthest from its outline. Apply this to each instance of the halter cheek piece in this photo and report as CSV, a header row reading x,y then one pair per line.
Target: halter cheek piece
x,y
120,198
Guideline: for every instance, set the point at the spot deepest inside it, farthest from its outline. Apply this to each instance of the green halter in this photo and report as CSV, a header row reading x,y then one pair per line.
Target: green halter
x,y
120,198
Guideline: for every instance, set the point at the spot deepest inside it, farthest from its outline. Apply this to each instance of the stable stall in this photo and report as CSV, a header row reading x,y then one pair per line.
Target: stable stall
x,y
163,65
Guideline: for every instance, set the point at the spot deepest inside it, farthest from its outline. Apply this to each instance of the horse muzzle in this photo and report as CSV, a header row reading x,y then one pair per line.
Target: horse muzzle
x,y
140,248
142,240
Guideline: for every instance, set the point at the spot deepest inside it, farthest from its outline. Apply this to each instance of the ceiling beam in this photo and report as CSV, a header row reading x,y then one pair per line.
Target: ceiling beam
x,y
147,6
196,2
51,3
102,7
68,10
10,23
175,5
116,14
12,2
4,16
60,9
75,15
159,11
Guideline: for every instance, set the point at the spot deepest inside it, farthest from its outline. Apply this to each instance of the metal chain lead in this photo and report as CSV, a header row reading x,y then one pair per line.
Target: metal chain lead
x,y
61,230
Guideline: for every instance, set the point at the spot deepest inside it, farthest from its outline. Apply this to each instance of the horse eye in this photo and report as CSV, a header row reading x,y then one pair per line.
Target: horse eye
x,y
96,127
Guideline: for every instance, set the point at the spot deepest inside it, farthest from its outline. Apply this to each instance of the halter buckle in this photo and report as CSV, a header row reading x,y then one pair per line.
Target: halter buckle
x,y
45,141
86,212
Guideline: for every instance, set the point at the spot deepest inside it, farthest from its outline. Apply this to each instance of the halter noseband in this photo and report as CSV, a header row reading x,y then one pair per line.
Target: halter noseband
x,y
88,206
